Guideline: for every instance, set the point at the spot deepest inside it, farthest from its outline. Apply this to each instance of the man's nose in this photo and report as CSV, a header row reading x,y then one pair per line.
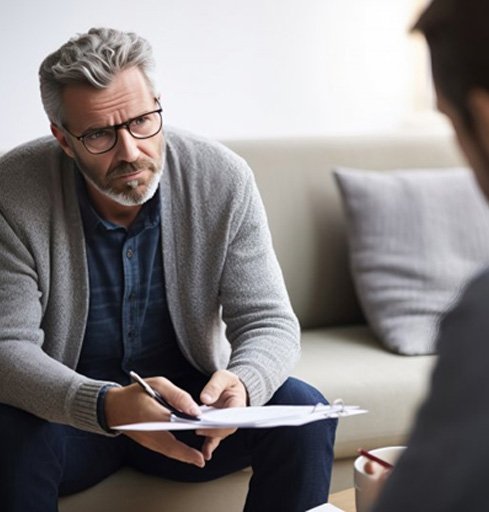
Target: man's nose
x,y
127,146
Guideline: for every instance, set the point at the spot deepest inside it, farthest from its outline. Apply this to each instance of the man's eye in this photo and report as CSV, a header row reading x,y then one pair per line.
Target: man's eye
x,y
97,135
139,121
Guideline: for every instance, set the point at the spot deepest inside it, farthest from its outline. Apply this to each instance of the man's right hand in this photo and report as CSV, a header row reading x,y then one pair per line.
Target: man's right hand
x,y
130,404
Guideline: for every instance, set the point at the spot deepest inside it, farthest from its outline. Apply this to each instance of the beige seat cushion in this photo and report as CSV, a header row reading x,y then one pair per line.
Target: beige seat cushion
x,y
349,363
130,491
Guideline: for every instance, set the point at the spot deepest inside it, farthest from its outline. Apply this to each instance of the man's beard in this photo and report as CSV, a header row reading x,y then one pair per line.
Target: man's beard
x,y
134,192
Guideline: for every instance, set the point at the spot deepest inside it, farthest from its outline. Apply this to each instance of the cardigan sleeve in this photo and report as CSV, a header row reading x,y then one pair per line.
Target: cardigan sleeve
x,y
225,289
261,326
41,294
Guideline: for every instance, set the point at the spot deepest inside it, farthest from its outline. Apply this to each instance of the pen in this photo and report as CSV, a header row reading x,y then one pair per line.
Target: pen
x,y
373,458
157,396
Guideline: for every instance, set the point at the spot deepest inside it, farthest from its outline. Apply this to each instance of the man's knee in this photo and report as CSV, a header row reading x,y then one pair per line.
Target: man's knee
x,y
297,392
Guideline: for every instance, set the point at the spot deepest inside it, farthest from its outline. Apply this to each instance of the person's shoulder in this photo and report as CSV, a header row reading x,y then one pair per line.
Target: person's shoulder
x,y
468,318
31,149
38,152
477,288
29,169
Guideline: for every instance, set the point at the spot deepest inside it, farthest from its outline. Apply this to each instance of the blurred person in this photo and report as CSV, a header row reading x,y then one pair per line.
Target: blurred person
x,y
444,468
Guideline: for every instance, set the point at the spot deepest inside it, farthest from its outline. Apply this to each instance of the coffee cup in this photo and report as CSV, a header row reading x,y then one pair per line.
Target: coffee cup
x,y
368,486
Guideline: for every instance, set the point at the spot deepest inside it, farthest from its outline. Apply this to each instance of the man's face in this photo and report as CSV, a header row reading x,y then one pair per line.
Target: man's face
x,y
130,172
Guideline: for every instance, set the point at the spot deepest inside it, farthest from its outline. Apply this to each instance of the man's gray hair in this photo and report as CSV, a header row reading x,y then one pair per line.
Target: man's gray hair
x,y
94,59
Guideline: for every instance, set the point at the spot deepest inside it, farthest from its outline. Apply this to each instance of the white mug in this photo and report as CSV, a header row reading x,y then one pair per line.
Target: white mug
x,y
367,487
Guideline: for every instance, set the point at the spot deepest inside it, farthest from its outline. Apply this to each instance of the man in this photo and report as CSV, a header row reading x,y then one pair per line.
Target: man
x,y
125,247
444,468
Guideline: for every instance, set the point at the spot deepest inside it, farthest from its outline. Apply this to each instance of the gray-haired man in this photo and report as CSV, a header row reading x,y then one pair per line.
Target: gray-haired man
x,y
123,247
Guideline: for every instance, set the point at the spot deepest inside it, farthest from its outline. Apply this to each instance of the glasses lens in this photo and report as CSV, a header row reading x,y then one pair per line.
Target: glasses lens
x,y
99,141
104,139
145,126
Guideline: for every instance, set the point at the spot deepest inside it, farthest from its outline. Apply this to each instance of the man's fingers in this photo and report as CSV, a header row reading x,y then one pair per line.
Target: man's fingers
x,y
182,452
215,432
167,444
210,444
129,404
376,470
174,395
369,468
219,381
224,389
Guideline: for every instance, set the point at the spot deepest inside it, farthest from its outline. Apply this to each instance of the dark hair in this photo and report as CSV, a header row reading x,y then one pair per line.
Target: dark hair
x,y
457,33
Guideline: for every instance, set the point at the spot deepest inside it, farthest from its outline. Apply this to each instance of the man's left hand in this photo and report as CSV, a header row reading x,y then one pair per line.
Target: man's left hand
x,y
224,389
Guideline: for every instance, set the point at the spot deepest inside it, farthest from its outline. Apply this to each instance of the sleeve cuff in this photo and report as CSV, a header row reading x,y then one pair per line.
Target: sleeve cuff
x,y
101,408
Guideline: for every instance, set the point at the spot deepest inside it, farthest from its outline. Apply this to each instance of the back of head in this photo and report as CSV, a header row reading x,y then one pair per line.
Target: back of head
x,y
94,59
458,36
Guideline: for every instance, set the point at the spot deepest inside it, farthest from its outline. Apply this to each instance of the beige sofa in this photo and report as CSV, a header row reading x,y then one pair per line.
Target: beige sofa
x,y
340,354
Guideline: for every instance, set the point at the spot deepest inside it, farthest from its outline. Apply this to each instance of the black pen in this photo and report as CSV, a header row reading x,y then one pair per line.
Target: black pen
x,y
154,394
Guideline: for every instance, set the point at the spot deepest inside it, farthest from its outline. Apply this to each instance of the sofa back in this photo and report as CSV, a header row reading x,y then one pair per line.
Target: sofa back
x,y
305,213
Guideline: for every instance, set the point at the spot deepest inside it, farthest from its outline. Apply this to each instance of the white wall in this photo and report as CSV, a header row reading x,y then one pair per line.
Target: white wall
x,y
233,68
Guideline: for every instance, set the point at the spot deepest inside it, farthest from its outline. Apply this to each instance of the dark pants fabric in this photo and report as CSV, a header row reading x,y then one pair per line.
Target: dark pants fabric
x,y
291,465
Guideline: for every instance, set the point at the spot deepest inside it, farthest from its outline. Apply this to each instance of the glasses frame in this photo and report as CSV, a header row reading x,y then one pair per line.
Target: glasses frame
x,y
116,128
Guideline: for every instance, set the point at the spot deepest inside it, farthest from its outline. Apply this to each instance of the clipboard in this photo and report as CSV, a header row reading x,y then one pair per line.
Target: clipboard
x,y
251,417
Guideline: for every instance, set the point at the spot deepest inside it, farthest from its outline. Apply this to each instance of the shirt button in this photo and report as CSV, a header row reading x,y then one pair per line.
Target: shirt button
x,y
129,253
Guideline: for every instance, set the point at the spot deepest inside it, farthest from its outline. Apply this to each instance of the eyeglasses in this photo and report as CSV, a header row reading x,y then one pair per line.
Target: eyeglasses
x,y
102,140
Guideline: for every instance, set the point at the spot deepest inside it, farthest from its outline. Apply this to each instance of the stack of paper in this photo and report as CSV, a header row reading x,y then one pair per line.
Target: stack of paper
x,y
251,417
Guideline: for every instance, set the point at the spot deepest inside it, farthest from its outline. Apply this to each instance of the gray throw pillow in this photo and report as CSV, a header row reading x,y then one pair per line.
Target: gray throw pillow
x,y
415,237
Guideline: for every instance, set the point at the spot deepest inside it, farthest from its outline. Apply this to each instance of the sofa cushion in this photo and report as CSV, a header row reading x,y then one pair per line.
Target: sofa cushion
x,y
128,490
349,363
415,238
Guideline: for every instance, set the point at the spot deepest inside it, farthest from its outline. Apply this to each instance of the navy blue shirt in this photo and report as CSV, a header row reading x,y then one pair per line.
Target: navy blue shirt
x,y
129,325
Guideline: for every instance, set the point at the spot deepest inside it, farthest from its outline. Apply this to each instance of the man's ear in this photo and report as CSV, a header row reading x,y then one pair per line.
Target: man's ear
x,y
478,103
61,138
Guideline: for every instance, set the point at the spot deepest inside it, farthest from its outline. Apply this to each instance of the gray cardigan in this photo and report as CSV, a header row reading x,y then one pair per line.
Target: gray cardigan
x,y
225,289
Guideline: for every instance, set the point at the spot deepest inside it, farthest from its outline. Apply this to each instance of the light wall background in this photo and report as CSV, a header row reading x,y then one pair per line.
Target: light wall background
x,y
240,68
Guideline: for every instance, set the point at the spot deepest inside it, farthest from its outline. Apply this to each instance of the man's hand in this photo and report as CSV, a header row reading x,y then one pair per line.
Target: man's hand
x,y
130,404
224,389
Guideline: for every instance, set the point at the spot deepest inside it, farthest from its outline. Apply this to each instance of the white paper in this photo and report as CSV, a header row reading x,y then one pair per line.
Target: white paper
x,y
325,508
251,417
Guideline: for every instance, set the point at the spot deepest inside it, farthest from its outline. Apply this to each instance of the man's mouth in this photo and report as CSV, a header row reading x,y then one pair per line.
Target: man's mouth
x,y
127,170
129,175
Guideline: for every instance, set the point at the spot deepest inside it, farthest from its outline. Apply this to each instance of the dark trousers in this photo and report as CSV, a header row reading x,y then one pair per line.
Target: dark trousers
x,y
291,465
